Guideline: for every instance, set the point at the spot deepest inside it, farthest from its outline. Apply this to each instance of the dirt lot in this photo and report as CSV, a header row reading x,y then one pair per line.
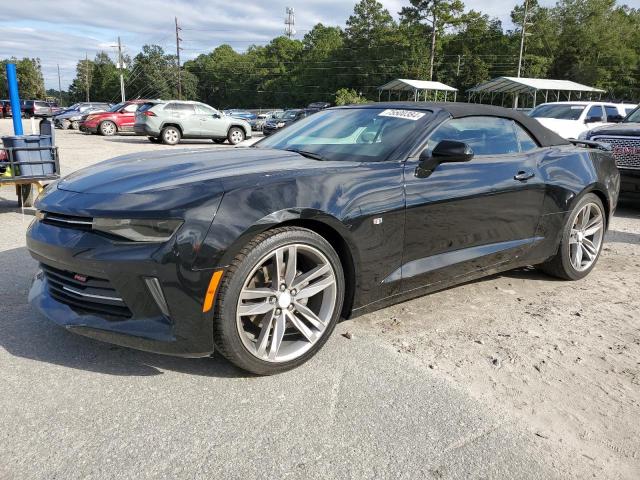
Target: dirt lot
x,y
515,376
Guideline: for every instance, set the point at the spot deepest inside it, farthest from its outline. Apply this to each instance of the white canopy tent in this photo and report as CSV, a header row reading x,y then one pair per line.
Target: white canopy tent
x,y
532,87
415,88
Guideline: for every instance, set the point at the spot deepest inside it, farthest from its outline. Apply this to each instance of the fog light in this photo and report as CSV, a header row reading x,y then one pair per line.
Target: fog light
x,y
156,292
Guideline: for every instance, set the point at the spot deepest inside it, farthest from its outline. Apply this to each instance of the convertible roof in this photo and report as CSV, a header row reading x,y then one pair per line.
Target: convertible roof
x,y
544,136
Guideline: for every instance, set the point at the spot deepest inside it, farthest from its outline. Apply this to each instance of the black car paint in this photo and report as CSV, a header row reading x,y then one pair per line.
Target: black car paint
x,y
429,233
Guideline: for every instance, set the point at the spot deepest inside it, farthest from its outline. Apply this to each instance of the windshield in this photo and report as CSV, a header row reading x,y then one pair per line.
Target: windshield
x,y
290,114
560,112
354,134
633,117
117,107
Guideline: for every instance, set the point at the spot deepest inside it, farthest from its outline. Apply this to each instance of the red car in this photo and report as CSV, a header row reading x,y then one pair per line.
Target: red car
x,y
120,118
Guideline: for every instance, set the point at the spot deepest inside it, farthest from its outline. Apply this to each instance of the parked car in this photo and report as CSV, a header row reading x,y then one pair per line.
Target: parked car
x,y
288,117
40,108
249,117
259,251
266,116
169,121
5,107
624,140
118,119
570,119
318,106
72,117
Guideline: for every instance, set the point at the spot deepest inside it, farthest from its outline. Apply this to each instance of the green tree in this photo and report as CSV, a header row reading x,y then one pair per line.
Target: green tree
x,y
348,96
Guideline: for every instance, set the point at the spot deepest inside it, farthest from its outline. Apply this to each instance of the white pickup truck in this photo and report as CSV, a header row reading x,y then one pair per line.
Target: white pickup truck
x,y
571,119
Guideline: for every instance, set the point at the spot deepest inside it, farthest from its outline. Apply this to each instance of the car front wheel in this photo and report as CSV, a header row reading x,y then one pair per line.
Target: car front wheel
x,y
235,136
108,128
582,240
75,125
279,301
170,135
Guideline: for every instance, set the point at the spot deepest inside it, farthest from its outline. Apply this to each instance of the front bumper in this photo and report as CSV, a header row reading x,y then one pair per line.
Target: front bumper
x,y
88,128
629,184
123,268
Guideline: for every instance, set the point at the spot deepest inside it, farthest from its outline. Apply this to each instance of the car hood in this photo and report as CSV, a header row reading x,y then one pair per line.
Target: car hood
x,y
158,171
68,114
622,129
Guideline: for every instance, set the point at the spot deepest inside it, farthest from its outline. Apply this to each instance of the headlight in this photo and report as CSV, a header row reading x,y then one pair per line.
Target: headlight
x,y
138,230
280,124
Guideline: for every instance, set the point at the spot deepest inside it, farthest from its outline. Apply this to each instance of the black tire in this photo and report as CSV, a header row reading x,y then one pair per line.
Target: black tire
x,y
226,336
560,265
236,135
154,139
219,140
26,195
170,135
107,128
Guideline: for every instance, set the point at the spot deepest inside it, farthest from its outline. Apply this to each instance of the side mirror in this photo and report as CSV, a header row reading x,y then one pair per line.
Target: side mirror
x,y
615,118
217,115
447,151
593,120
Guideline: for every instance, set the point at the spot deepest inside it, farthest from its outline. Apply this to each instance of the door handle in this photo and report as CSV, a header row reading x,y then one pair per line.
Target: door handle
x,y
523,176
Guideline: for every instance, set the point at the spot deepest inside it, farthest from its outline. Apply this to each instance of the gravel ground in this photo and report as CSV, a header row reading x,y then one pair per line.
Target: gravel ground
x,y
515,376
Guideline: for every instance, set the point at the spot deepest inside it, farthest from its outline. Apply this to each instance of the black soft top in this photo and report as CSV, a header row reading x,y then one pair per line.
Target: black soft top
x,y
544,136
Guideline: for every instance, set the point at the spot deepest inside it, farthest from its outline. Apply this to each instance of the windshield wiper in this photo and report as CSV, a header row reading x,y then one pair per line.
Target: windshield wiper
x,y
304,153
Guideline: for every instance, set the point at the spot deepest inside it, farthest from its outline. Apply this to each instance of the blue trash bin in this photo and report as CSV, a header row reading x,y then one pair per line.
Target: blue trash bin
x,y
31,141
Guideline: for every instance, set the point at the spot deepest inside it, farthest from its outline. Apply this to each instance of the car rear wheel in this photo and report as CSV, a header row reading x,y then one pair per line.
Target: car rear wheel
x,y
235,136
582,240
279,301
75,125
108,128
170,135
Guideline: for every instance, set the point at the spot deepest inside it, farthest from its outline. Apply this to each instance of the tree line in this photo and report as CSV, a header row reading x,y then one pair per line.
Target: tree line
x,y
596,42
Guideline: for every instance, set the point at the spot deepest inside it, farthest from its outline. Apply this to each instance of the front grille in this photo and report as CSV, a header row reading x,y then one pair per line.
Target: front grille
x,y
626,150
85,293
67,221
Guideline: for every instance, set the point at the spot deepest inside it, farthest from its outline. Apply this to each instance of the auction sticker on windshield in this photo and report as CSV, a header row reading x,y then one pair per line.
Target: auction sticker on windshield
x,y
406,114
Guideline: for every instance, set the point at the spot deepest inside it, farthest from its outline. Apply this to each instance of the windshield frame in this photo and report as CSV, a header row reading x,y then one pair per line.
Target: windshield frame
x,y
635,113
399,150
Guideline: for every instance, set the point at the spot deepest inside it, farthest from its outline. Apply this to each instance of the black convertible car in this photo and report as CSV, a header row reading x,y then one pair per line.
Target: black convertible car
x,y
257,252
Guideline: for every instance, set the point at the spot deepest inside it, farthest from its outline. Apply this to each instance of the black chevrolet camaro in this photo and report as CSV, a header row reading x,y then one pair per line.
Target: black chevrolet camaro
x,y
257,252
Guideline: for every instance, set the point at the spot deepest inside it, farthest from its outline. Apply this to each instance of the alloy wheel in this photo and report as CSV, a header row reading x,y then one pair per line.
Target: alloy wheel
x,y
585,238
237,137
171,136
286,303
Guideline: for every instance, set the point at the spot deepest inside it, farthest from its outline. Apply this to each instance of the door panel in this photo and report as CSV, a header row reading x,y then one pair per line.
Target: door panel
x,y
470,216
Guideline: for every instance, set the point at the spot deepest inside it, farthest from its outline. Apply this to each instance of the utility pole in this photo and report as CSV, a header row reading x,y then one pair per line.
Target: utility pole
x,y
178,48
290,22
523,34
59,87
86,73
455,94
432,56
121,67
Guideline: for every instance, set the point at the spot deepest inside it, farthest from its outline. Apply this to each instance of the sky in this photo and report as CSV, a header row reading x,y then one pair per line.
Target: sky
x,y
61,32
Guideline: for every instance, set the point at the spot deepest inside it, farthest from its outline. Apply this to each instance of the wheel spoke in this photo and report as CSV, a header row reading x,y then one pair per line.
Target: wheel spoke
x,y
311,317
315,288
589,248
311,275
255,293
586,213
292,265
300,326
578,257
279,268
593,227
248,309
278,334
263,338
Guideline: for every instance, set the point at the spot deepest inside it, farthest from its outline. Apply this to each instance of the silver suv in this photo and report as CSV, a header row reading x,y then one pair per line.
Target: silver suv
x,y
169,121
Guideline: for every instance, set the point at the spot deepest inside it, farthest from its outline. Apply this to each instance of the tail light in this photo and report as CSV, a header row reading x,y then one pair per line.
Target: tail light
x,y
149,113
